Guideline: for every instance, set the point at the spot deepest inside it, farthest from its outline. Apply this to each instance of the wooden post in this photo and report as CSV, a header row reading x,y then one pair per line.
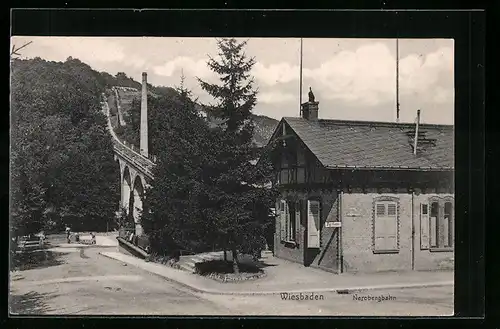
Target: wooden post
x,y
340,267
416,133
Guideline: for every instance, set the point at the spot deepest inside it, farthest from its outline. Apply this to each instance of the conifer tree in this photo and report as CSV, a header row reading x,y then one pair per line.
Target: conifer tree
x,y
241,210
174,218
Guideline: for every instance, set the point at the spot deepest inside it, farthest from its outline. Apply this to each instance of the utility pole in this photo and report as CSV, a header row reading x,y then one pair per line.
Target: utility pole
x,y
397,80
300,81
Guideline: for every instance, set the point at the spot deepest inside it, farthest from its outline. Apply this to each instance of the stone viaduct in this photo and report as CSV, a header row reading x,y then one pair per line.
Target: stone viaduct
x,y
135,166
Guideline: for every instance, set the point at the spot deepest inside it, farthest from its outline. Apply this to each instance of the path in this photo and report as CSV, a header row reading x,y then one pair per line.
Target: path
x,y
80,281
87,283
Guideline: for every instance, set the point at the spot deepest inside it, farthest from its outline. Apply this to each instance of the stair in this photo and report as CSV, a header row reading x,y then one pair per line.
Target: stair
x,y
188,263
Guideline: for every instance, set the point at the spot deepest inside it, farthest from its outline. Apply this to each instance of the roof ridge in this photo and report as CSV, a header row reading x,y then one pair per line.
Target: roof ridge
x,y
363,144
378,123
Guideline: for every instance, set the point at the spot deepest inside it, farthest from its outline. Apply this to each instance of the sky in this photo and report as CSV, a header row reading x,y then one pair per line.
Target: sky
x,y
353,79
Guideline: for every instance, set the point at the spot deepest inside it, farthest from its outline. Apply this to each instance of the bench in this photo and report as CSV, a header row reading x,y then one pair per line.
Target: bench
x,y
30,245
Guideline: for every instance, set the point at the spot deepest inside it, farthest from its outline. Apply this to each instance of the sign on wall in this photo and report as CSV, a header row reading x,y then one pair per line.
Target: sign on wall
x,y
333,224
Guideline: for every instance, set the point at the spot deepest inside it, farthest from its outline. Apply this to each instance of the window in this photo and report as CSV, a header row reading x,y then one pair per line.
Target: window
x,y
292,175
434,232
288,222
441,224
313,223
448,220
424,226
291,229
385,225
284,176
282,215
301,175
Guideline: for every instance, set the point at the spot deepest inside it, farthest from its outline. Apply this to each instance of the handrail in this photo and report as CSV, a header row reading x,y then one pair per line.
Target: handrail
x,y
143,163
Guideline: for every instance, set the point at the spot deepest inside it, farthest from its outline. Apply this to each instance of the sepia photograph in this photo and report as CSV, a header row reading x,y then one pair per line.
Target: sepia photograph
x,y
231,176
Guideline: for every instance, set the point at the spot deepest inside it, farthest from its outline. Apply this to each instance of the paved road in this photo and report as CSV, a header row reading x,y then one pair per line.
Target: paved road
x,y
88,283
84,282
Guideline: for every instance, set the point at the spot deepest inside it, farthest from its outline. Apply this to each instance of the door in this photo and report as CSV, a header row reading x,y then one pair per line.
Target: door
x,y
313,223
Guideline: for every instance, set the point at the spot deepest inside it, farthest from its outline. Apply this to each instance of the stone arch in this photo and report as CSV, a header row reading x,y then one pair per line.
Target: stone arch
x,y
126,189
138,198
119,186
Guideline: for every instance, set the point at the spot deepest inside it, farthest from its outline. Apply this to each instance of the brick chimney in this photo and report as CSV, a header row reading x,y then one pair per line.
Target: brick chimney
x,y
309,110
144,116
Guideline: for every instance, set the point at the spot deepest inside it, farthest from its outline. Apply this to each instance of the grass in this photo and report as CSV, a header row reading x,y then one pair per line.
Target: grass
x,y
29,303
36,259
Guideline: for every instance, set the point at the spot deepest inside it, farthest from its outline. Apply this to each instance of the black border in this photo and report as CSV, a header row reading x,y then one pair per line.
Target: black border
x,y
466,27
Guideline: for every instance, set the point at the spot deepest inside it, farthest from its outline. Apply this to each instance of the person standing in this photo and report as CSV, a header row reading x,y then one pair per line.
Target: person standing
x,y
68,233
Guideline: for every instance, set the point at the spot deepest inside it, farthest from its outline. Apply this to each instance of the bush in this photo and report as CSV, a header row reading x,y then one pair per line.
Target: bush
x,y
143,242
224,267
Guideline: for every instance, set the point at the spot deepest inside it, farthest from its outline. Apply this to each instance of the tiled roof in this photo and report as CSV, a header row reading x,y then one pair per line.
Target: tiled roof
x,y
384,145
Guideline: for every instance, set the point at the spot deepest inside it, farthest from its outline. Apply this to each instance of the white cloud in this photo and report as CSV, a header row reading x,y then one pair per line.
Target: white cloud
x,y
365,76
419,74
275,97
275,73
190,66
351,78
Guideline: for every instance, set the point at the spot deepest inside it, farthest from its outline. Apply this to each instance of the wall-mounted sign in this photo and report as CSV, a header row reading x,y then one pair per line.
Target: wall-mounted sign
x,y
353,212
333,224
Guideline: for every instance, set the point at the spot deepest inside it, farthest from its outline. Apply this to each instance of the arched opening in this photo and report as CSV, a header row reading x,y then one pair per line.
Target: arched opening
x,y
112,224
126,187
138,194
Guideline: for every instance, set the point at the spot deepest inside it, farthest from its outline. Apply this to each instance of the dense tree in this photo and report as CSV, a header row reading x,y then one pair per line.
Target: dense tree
x,y
62,166
174,218
241,210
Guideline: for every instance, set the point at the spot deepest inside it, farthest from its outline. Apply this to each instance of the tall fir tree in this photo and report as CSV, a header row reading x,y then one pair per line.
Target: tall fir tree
x,y
174,217
241,212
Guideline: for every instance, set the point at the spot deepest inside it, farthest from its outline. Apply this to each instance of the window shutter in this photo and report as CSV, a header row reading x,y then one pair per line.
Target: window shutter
x,y
313,223
297,221
282,220
386,226
392,226
433,231
433,222
424,226
287,221
380,223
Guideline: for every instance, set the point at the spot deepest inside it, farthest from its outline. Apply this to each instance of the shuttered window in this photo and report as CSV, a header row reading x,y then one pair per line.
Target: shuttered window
x,y
313,224
386,226
291,229
424,226
434,222
449,227
441,224
298,213
282,220
288,224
